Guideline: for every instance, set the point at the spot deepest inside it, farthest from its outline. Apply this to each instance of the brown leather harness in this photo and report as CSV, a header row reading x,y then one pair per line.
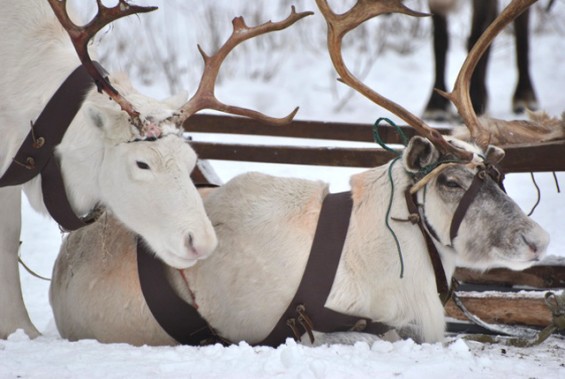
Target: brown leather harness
x,y
36,154
306,312
417,217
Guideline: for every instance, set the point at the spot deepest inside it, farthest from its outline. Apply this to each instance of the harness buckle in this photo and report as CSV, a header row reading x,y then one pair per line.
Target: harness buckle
x,y
305,322
291,323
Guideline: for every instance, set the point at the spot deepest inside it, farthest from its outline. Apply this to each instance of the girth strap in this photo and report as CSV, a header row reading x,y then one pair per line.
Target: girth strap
x,y
178,318
319,276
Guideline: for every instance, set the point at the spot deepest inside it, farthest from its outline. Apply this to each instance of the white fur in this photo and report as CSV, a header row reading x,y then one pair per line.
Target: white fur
x,y
99,165
265,226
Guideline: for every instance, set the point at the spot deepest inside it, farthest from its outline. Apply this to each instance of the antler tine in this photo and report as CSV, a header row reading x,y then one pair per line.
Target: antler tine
x,y
204,97
340,25
460,96
81,35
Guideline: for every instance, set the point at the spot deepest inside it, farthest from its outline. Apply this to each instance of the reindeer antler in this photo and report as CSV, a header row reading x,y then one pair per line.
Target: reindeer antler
x,y
340,25
81,35
460,96
204,97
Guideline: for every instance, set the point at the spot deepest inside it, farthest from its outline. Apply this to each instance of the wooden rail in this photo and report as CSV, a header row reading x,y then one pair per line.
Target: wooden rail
x,y
493,295
548,156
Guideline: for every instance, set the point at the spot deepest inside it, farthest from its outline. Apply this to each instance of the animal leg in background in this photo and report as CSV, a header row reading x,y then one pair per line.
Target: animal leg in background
x,y
484,13
524,96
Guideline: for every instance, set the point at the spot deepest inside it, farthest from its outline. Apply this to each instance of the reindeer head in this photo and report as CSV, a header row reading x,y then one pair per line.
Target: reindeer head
x,y
145,164
467,212
482,238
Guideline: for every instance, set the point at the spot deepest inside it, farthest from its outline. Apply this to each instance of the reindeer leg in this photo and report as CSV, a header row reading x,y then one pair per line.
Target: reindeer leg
x,y
524,96
484,12
438,106
13,313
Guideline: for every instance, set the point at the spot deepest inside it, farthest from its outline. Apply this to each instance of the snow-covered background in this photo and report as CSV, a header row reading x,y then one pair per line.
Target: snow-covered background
x,y
274,74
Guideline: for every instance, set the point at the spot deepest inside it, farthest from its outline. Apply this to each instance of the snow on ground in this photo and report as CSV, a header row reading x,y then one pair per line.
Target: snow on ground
x,y
304,79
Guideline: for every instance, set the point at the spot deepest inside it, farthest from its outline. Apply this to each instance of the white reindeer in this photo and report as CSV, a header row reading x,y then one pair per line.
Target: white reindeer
x,y
265,227
146,184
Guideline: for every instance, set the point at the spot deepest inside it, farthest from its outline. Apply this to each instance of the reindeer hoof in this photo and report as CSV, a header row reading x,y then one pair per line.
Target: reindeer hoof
x,y
520,106
439,115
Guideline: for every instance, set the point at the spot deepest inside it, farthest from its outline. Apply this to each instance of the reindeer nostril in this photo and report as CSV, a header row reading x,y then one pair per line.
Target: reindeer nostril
x,y
531,245
190,242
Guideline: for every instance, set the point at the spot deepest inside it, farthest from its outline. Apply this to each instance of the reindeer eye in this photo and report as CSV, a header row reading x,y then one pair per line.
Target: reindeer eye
x,y
447,182
142,165
452,184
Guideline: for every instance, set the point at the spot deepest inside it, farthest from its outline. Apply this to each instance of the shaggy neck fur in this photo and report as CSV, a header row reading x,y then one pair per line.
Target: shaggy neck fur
x,y
368,249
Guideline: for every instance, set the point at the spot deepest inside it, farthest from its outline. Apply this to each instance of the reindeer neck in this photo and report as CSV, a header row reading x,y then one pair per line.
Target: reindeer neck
x,y
80,155
373,272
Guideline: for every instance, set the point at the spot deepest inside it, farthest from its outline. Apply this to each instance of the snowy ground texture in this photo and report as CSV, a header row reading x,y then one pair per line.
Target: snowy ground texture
x,y
299,74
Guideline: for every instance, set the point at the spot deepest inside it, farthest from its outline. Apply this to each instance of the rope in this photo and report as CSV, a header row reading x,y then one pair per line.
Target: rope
x,y
381,143
29,270
538,194
556,182
387,217
379,140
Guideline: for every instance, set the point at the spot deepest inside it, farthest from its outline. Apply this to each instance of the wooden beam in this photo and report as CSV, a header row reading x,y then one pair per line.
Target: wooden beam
x,y
339,131
362,157
503,309
549,156
317,156
541,157
539,276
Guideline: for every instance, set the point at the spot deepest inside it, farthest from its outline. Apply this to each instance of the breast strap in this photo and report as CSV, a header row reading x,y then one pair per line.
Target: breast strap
x,y
178,318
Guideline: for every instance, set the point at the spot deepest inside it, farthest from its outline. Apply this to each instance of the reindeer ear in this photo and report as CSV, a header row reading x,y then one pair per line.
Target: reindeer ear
x,y
178,100
108,120
494,154
419,153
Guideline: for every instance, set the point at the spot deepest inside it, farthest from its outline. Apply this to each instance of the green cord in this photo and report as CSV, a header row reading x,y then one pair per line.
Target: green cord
x,y
387,217
421,173
381,143
379,140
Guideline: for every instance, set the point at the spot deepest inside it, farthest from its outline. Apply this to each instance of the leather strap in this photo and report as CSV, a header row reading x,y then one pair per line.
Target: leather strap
x,y
439,273
55,198
36,154
319,276
50,126
468,197
183,322
178,318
